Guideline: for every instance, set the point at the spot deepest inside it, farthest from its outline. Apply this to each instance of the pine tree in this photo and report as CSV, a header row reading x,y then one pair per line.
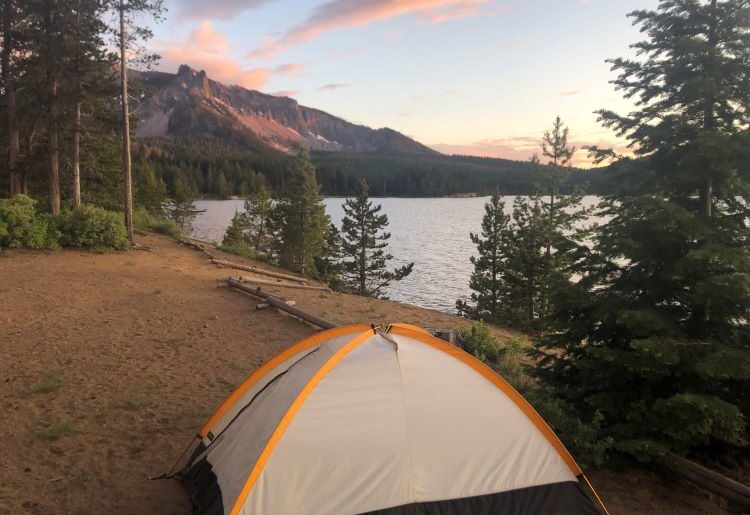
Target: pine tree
x,y
301,218
555,147
527,275
329,264
260,230
652,340
181,207
363,244
486,279
236,236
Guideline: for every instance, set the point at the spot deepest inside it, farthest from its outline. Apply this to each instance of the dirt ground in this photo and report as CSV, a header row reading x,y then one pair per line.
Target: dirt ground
x,y
109,365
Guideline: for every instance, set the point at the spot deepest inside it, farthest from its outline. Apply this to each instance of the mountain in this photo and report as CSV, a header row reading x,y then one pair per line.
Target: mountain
x,y
189,103
227,140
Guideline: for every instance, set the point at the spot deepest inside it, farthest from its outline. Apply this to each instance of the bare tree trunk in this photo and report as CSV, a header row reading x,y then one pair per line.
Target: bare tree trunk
x,y
77,127
15,182
77,155
53,150
125,127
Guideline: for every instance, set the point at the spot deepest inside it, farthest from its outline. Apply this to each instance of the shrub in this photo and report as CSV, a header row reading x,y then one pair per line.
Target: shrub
x,y
502,356
95,227
584,439
22,226
144,221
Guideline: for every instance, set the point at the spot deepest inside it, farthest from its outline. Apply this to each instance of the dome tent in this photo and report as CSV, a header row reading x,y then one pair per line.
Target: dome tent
x,y
356,420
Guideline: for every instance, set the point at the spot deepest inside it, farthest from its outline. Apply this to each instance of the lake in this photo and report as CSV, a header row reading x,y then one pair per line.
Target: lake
x,y
431,232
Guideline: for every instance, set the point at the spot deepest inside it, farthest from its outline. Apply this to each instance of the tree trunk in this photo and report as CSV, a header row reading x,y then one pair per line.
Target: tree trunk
x,y
53,150
15,182
126,171
77,126
362,258
77,155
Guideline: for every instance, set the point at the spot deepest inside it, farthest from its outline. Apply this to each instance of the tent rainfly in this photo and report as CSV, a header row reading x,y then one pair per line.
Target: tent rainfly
x,y
391,421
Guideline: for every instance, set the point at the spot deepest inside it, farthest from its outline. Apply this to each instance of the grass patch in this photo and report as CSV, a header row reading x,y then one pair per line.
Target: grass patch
x,y
143,222
240,367
177,341
48,384
134,403
55,429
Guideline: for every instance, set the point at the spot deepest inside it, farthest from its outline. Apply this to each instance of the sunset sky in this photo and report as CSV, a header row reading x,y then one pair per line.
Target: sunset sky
x,y
482,77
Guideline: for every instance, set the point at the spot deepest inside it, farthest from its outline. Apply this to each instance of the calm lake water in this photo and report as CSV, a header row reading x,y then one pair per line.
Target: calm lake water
x,y
431,232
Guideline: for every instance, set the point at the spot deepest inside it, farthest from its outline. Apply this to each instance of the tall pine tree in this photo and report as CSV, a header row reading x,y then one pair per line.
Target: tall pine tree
x,y
652,340
363,244
486,279
302,219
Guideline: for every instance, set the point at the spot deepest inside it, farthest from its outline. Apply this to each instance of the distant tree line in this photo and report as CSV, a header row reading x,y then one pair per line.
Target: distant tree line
x,y
217,172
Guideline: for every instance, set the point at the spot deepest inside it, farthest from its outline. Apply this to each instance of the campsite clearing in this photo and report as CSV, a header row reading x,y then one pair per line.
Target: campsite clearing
x,y
112,362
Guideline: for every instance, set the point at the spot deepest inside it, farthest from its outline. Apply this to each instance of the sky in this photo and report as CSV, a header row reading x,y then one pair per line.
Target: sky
x,y
478,77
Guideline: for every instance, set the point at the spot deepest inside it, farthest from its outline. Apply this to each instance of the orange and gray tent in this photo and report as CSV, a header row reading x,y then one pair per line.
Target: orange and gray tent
x,y
358,420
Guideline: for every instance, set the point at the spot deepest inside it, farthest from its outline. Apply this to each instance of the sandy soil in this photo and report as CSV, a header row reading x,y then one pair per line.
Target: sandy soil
x,y
111,363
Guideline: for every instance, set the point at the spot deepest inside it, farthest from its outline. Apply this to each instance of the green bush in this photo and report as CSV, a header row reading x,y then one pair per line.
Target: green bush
x,y
95,227
144,221
584,439
22,226
502,356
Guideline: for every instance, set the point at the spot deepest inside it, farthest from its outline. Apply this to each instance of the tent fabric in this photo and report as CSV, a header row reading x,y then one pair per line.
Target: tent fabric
x,y
355,421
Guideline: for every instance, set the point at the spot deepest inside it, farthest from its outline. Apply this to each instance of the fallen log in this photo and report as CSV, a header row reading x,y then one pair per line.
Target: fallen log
x,y
277,303
255,269
204,242
283,285
711,480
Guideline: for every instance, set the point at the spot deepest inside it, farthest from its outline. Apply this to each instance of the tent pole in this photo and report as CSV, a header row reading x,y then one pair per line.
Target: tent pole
x,y
596,496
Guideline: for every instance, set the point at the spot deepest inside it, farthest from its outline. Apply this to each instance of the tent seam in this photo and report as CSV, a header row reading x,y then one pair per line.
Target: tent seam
x,y
406,423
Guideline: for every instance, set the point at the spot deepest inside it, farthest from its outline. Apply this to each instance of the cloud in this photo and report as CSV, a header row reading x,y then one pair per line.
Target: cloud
x,y
207,49
570,93
290,68
333,86
337,14
222,9
521,148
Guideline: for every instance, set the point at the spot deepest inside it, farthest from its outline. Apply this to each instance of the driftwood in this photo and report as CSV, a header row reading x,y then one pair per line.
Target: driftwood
x,y
711,481
260,271
280,304
283,285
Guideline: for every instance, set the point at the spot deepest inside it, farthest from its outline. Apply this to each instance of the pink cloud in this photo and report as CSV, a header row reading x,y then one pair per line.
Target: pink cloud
x,y
285,93
336,14
521,148
223,9
290,68
207,49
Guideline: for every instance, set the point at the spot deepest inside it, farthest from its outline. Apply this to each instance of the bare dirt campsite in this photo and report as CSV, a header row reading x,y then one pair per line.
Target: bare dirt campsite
x,y
112,362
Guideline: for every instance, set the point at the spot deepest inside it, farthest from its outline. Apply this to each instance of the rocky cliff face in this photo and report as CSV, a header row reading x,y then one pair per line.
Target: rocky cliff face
x,y
189,102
